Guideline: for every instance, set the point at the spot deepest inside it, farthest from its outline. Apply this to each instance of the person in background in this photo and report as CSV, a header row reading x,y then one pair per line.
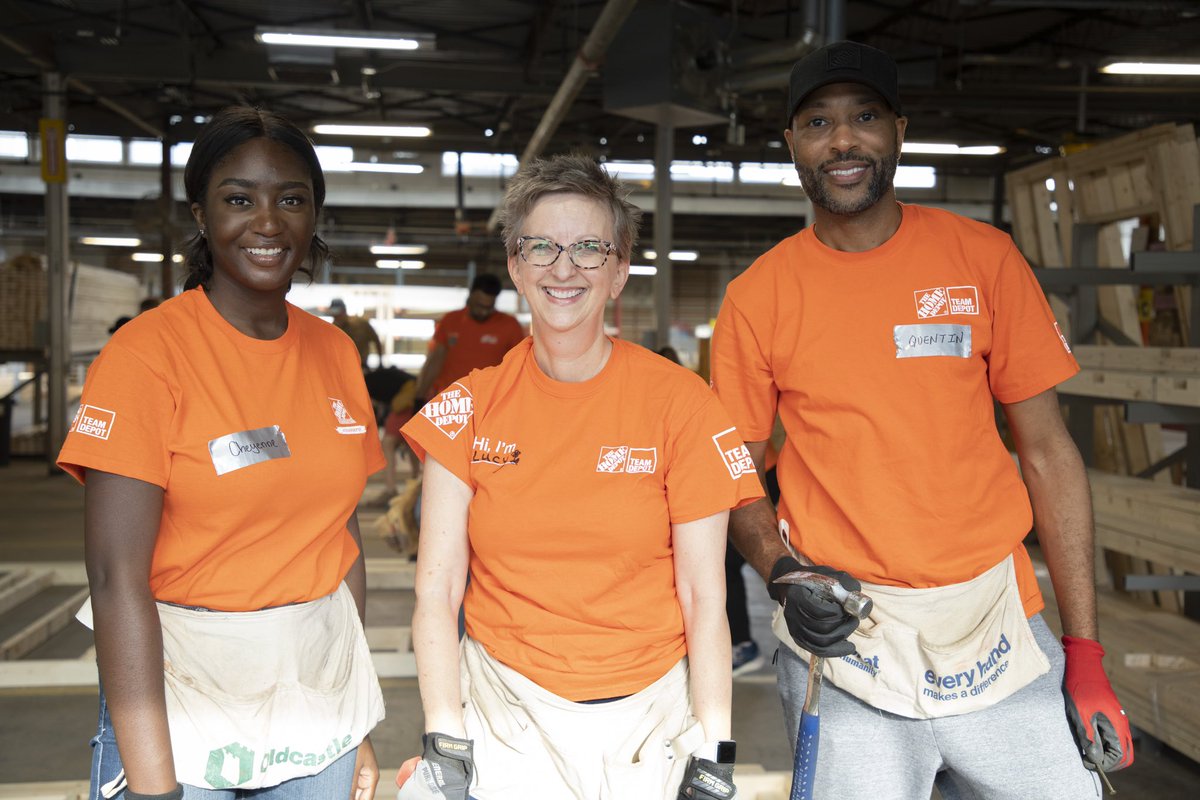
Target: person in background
x,y
223,442
359,329
585,483
473,337
148,303
882,335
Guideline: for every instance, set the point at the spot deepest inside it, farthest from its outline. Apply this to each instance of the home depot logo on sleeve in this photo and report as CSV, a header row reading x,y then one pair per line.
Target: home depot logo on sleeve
x,y
735,455
95,421
1063,339
451,410
346,423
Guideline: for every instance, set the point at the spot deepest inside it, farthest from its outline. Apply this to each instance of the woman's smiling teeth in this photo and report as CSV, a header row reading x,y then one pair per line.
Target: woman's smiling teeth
x,y
563,294
264,251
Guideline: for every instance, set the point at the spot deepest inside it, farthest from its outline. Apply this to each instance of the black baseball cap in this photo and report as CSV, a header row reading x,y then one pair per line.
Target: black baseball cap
x,y
844,62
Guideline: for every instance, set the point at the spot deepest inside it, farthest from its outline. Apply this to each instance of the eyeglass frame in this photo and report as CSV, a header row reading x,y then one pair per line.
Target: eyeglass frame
x,y
564,248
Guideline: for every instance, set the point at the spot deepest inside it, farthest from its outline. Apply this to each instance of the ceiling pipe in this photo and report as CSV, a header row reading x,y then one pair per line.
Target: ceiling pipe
x,y
75,83
835,20
776,52
612,16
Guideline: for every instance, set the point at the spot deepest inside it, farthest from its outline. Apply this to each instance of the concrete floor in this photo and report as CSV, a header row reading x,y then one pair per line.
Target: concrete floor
x,y
44,733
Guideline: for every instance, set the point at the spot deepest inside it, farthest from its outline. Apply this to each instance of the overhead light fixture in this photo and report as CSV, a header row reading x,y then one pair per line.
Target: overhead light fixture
x,y
674,255
362,40
155,257
639,269
111,241
367,129
945,149
399,249
1151,68
389,263
366,166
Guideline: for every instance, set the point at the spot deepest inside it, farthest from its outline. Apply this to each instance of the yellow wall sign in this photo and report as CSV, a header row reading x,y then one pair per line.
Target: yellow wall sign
x,y
54,150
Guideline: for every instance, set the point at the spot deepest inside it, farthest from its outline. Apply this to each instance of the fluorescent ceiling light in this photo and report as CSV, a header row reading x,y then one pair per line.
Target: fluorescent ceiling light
x,y
111,241
365,166
674,255
156,257
1151,68
638,269
399,249
364,40
938,148
363,129
390,263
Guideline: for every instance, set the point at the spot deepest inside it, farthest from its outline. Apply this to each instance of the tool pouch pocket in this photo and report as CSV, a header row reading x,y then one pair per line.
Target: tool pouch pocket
x,y
940,651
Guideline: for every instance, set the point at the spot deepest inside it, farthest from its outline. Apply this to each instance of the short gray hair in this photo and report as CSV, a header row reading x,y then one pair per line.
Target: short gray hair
x,y
568,174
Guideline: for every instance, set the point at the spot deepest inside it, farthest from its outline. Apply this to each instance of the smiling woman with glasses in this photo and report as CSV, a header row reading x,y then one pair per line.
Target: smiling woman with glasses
x,y
585,484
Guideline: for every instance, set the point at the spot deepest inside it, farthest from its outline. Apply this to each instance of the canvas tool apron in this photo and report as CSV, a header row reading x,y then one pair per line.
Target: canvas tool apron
x,y
260,697
530,742
940,651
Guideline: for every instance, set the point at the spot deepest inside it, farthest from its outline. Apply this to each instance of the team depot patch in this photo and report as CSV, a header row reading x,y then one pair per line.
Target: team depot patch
x,y
623,458
95,421
735,455
941,301
451,410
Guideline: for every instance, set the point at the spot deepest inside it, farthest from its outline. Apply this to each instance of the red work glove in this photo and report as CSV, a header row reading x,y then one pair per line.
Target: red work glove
x,y
1099,723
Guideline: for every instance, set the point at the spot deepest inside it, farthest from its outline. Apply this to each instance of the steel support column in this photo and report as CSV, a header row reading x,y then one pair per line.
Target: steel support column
x,y
54,106
664,152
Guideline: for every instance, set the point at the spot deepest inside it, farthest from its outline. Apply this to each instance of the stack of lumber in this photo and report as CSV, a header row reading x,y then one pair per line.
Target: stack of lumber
x,y
1153,661
22,303
1153,656
1159,522
100,296
1169,375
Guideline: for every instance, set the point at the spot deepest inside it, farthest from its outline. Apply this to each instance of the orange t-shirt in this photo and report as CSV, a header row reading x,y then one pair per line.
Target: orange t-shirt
x,y
576,486
473,345
883,366
262,449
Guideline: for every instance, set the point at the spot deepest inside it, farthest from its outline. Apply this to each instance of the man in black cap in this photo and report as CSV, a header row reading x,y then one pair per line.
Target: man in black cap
x,y
881,335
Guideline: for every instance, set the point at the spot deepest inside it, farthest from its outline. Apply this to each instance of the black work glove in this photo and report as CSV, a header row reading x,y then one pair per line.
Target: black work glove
x,y
707,780
450,763
174,794
820,625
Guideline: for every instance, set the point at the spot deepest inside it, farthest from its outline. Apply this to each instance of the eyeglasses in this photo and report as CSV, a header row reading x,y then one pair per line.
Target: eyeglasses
x,y
538,251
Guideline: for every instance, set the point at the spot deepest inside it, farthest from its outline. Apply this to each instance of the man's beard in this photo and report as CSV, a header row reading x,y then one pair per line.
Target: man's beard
x,y
818,191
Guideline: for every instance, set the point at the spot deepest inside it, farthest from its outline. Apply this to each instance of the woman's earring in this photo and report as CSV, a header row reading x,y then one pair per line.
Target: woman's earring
x,y
202,234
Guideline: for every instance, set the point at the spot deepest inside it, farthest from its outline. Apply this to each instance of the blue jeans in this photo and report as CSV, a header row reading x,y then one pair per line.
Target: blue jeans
x,y
332,783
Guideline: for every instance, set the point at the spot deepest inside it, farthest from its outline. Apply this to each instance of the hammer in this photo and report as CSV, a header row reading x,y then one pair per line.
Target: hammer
x,y
856,604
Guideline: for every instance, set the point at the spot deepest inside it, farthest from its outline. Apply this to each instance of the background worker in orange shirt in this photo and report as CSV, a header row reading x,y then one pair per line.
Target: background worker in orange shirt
x,y
472,337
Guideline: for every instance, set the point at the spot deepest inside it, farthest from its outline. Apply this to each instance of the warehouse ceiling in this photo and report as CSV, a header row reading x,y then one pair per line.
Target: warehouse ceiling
x,y
1018,73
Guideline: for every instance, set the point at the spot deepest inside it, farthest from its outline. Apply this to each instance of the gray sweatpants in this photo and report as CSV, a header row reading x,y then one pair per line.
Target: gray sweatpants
x,y
1019,749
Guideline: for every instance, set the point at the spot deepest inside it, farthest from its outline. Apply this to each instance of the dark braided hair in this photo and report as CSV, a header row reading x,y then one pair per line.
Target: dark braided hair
x,y
229,129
